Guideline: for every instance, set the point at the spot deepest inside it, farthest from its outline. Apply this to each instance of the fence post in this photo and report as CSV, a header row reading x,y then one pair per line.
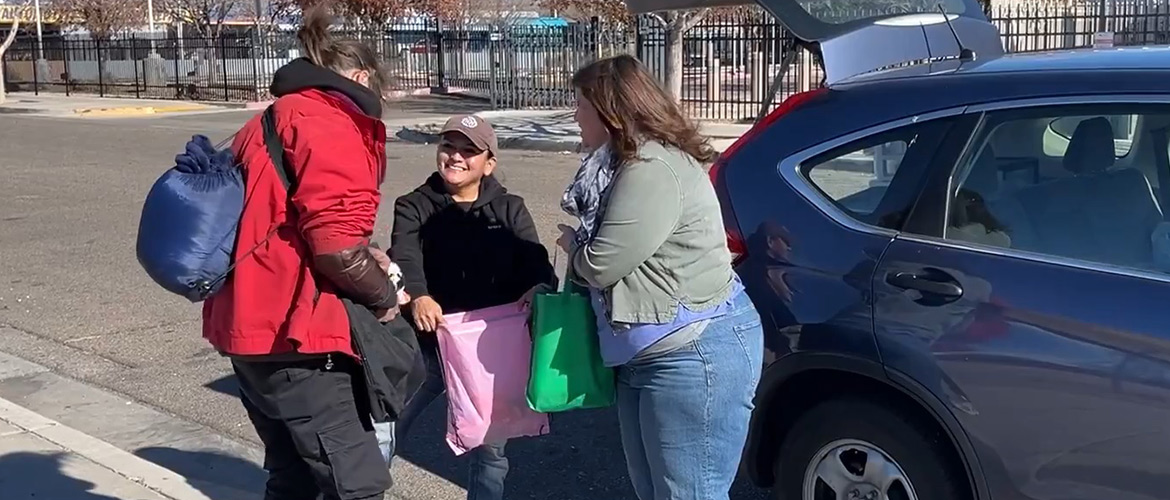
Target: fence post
x,y
36,76
134,61
492,68
714,75
65,53
223,65
101,69
441,63
256,67
179,55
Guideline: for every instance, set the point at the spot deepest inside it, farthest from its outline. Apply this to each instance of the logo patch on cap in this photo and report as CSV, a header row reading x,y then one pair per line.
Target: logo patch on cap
x,y
469,122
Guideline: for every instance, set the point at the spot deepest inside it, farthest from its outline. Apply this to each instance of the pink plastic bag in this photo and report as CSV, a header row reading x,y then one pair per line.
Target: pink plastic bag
x,y
486,358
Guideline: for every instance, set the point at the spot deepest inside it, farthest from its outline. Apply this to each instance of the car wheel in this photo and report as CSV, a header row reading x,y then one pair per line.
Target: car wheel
x,y
855,449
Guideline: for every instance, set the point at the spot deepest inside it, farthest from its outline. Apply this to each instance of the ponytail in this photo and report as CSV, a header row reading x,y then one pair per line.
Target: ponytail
x,y
314,34
338,55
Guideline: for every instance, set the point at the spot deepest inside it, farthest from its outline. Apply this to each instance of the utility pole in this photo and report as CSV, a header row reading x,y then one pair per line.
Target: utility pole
x,y
150,20
40,40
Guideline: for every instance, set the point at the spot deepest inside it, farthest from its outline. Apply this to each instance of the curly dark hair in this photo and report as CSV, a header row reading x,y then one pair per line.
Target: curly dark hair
x,y
635,108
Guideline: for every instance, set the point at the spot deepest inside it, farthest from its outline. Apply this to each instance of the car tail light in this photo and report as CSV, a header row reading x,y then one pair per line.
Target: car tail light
x,y
735,240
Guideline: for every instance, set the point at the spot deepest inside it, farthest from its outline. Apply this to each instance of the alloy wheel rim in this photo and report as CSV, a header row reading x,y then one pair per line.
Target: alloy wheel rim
x,y
853,469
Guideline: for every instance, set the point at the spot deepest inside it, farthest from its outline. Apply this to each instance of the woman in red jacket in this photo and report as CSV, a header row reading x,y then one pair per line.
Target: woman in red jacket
x,y
280,317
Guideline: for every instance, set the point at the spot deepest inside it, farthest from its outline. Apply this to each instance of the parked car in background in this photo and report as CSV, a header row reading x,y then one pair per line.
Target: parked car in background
x,y
962,261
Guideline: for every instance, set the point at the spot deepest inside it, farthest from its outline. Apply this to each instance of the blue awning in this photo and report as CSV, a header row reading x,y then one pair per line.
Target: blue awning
x,y
547,21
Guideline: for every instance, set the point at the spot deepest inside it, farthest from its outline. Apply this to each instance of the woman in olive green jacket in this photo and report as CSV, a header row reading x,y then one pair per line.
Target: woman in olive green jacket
x,y
672,315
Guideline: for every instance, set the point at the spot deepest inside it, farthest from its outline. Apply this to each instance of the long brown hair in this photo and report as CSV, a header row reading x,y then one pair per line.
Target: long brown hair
x,y
338,55
635,108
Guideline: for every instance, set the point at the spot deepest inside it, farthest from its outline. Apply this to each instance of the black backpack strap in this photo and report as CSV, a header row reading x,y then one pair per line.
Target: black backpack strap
x,y
287,177
276,150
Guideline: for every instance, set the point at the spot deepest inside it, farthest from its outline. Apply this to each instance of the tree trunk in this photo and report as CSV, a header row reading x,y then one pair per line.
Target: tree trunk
x,y
676,24
4,48
674,60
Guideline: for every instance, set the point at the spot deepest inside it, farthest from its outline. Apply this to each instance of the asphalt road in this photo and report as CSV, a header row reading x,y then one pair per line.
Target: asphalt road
x,y
70,195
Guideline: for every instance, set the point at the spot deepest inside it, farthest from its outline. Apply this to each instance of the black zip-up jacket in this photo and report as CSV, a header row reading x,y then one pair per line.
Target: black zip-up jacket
x,y
467,256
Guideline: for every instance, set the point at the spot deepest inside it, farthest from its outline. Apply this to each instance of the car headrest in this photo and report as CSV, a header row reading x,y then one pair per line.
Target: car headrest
x,y
1091,148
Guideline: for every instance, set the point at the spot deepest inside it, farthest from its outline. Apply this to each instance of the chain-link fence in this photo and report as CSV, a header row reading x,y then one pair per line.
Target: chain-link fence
x,y
729,60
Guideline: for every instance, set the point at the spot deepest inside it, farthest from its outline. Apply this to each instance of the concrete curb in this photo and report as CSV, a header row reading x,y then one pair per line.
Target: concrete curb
x,y
394,94
409,134
140,110
154,477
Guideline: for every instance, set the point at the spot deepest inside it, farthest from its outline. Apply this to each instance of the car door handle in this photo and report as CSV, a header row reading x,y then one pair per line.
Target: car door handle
x,y
925,284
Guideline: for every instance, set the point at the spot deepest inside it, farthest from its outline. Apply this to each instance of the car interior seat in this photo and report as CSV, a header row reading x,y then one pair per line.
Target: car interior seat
x,y
1098,213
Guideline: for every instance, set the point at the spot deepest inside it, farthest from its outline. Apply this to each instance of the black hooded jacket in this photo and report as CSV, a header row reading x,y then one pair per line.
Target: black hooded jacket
x,y
467,256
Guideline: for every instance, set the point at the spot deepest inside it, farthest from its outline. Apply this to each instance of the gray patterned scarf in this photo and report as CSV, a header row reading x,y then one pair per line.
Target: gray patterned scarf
x,y
586,196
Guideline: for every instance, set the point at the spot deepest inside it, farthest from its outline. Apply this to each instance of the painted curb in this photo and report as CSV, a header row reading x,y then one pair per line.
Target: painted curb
x,y
140,110
133,468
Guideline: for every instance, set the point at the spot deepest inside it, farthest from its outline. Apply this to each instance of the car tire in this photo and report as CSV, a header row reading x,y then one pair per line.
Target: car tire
x,y
846,430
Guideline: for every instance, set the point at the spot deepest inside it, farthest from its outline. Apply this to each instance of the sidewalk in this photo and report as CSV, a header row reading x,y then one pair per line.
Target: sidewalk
x,y
541,130
43,459
76,106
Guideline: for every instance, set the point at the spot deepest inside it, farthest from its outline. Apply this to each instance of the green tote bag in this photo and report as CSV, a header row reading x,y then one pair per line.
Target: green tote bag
x,y
567,371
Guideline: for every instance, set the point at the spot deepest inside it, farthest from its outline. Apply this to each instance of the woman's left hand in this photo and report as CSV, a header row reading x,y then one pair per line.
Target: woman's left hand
x,y
567,238
526,300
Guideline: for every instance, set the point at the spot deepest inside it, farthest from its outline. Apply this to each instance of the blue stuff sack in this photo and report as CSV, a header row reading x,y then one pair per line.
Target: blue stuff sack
x,y
187,232
188,227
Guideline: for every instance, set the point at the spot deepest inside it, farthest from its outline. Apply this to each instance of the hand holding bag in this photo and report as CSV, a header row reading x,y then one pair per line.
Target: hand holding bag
x,y
567,369
390,359
485,355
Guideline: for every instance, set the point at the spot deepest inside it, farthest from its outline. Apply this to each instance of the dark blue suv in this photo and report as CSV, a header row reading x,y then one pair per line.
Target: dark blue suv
x,y
960,263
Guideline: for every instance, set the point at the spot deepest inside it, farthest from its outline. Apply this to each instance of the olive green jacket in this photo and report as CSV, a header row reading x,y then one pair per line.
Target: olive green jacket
x,y
660,241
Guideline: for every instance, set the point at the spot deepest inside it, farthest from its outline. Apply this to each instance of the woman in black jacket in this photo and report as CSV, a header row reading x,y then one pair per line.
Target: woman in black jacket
x,y
464,243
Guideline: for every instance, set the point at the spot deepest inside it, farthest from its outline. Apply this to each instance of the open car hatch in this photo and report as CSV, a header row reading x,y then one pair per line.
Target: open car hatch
x,y
868,35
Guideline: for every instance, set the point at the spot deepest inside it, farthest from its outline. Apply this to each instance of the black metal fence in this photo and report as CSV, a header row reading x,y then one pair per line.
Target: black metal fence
x,y
729,60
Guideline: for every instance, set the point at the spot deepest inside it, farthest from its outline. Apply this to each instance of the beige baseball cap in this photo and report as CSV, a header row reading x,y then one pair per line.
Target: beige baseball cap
x,y
476,129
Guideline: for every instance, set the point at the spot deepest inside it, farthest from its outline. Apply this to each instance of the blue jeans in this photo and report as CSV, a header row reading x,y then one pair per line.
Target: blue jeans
x,y
684,415
488,466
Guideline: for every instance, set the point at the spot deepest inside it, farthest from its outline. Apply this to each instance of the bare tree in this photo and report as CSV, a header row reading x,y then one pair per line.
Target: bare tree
x,y
4,48
205,17
614,10
446,10
269,13
102,18
500,13
372,16
675,24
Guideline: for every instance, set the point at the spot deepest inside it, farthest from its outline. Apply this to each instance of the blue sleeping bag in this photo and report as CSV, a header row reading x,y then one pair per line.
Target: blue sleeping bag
x,y
188,227
187,233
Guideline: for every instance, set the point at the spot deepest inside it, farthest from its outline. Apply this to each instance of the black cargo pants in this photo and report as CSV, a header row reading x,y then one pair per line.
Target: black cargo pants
x,y
313,417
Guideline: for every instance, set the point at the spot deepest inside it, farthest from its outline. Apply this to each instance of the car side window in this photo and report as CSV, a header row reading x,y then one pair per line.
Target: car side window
x,y
877,179
1095,198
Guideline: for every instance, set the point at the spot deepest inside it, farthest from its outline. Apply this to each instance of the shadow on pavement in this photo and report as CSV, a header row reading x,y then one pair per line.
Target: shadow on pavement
x,y
581,459
218,476
225,385
40,475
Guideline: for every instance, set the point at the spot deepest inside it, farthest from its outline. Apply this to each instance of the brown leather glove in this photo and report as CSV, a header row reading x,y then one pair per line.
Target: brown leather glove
x,y
357,275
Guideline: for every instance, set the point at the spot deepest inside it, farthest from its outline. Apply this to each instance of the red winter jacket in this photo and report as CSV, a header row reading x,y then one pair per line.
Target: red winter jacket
x,y
334,140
